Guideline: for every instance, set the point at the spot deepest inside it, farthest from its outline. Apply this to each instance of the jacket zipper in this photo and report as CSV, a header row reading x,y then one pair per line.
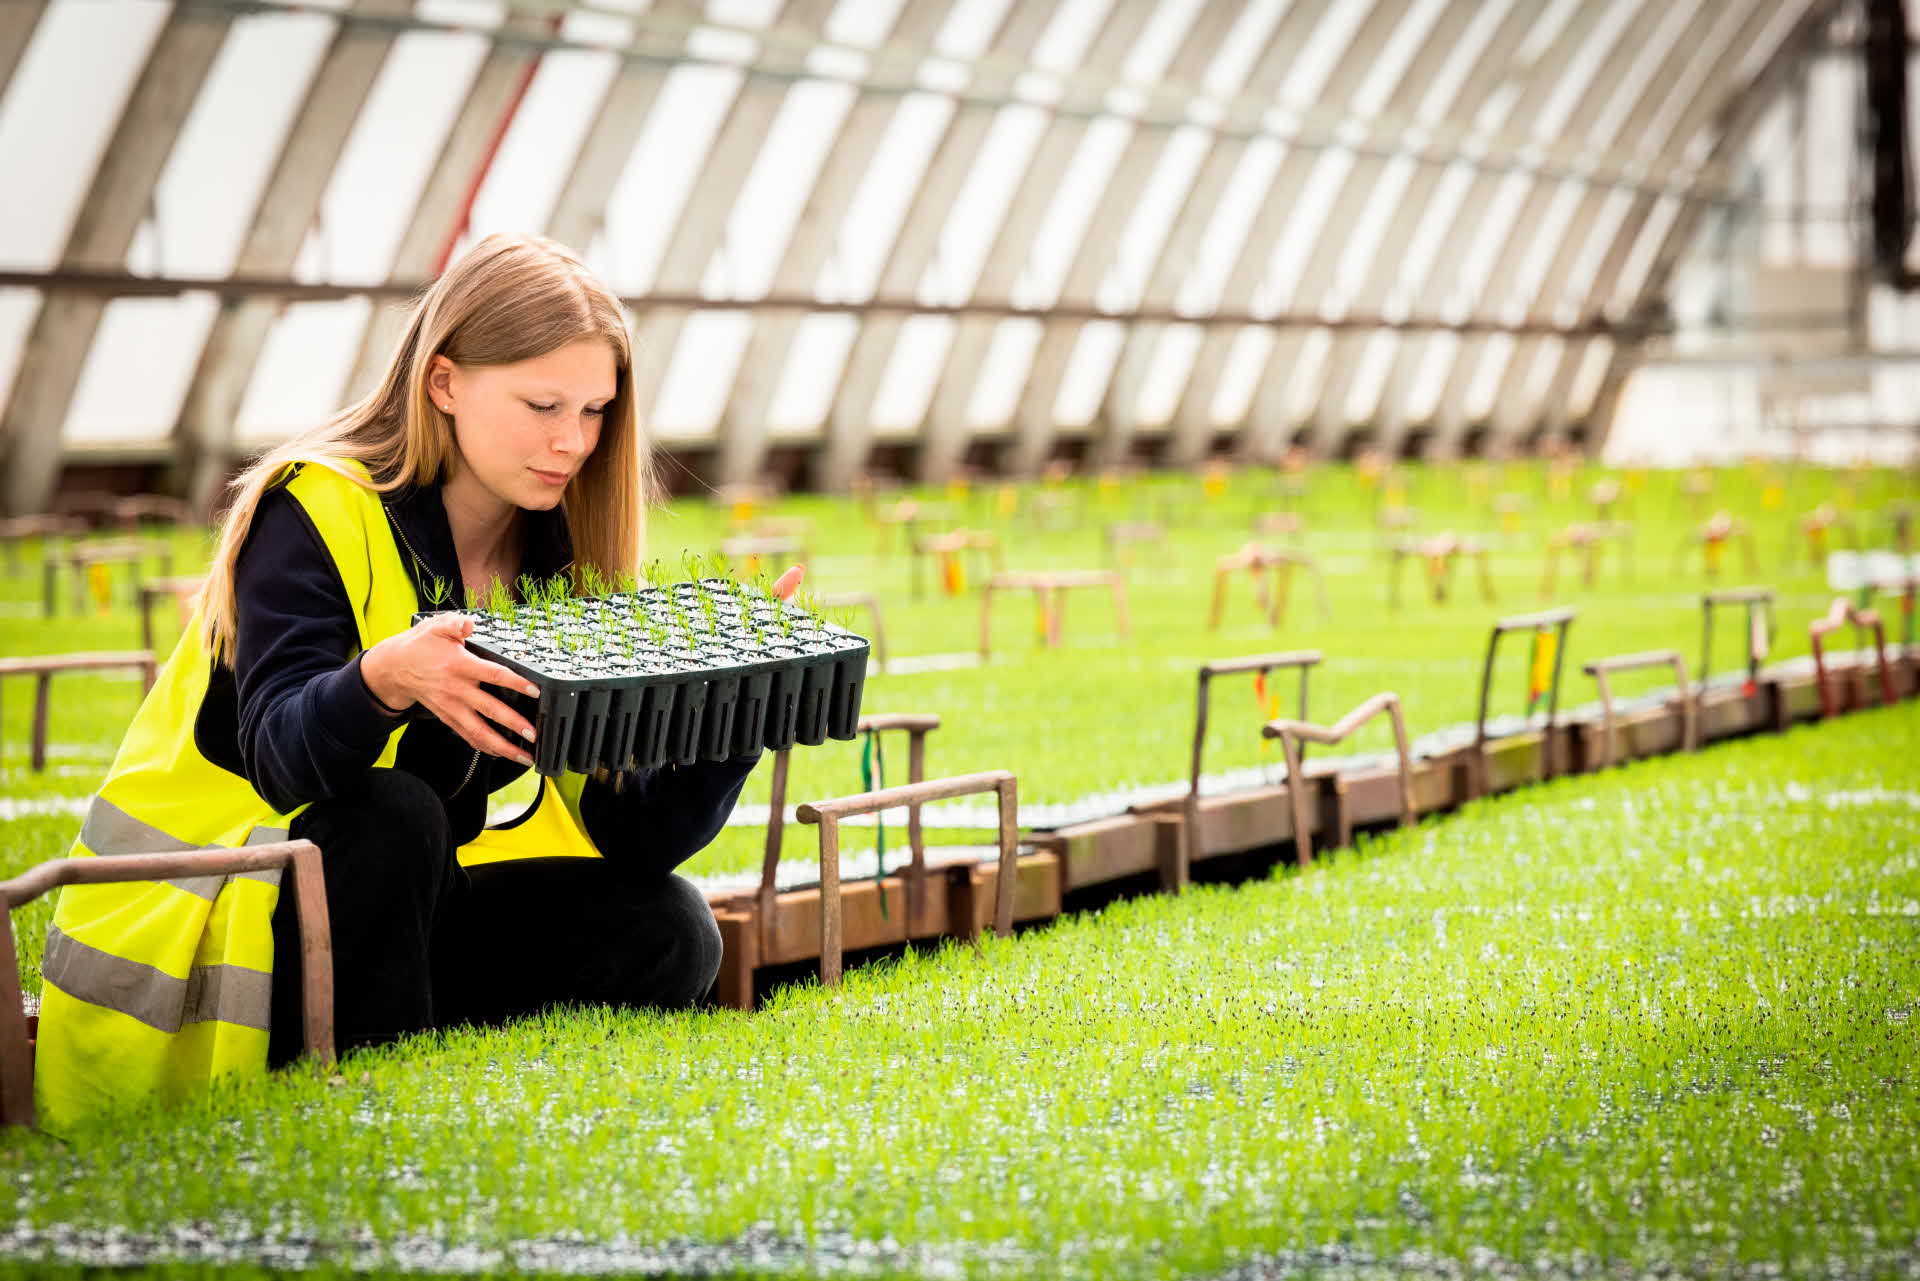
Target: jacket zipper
x,y
420,568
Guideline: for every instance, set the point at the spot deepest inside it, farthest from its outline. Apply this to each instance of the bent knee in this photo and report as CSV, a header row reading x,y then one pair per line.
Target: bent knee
x,y
692,955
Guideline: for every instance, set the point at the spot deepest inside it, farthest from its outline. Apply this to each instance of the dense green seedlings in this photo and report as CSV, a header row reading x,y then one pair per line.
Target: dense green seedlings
x,y
1594,1029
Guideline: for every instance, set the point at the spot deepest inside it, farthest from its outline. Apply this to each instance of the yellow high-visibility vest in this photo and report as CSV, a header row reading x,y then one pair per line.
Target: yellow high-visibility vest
x,y
157,988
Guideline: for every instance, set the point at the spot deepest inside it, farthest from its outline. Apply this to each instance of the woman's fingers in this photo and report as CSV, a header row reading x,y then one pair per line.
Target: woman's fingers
x,y
486,673
500,714
480,735
789,583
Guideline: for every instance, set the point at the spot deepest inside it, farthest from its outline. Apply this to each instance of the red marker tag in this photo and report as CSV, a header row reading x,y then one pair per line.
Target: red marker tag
x,y
789,583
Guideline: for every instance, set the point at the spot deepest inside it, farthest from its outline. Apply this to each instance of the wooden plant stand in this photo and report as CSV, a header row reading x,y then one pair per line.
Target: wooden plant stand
x,y
1712,539
18,1031
80,558
828,815
1684,699
1586,540
137,510
1048,588
1121,537
910,516
1279,525
1758,603
871,603
1439,555
1291,732
1255,560
981,544
180,590
1816,532
748,553
44,667
1838,615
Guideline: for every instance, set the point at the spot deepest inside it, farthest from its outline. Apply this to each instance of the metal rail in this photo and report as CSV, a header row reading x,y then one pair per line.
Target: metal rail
x,y
829,814
1290,732
1601,668
310,902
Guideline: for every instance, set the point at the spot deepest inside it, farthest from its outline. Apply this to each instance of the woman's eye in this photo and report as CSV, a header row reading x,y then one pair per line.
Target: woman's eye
x,y
541,409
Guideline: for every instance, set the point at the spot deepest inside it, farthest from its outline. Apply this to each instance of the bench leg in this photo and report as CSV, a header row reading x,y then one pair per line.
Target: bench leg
x,y
42,692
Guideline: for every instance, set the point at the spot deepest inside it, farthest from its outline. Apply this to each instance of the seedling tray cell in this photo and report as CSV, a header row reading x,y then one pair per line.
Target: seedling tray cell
x,y
693,671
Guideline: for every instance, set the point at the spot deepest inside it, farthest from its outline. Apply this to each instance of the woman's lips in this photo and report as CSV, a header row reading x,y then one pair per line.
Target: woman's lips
x,y
551,477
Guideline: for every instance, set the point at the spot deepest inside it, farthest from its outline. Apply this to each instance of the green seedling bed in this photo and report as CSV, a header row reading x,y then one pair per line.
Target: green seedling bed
x,y
701,670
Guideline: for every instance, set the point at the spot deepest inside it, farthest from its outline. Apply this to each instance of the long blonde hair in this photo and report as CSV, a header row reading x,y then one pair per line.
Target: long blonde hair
x,y
509,298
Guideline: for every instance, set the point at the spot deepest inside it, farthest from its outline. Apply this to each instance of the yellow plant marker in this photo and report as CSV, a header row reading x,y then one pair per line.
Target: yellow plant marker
x,y
1269,705
1546,644
957,488
1215,482
1008,499
1774,497
100,583
1716,549
1396,493
953,574
742,510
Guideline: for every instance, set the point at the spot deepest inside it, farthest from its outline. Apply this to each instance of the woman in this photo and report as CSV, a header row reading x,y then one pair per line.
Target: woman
x,y
304,704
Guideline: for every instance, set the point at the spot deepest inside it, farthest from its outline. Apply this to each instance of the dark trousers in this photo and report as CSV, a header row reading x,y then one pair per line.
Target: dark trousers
x,y
420,942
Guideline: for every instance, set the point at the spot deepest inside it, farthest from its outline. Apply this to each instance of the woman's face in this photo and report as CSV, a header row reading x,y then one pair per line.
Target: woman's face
x,y
524,430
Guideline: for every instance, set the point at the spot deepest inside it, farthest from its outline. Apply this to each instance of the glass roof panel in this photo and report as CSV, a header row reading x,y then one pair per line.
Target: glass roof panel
x,y
302,373
970,27
1045,271
1303,381
1159,40
1429,380
1240,375
79,71
395,141
152,344
1303,234
1167,374
1586,382
900,401
1411,292
819,353
1227,74
218,169
863,22
1084,384
1493,353
1227,229
967,233
700,375
1003,374
1646,248
1151,218
1071,29
1370,375
524,181
873,218
760,225
660,171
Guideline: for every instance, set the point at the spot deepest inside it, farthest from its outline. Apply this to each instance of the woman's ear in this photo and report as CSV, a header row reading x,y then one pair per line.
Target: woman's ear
x,y
440,382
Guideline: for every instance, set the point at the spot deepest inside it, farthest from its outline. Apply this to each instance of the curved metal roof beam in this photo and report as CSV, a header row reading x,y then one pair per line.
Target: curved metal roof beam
x,y
1741,110
1617,241
1704,43
489,97
1034,194
1262,425
1538,82
849,428
1094,254
33,419
203,432
743,428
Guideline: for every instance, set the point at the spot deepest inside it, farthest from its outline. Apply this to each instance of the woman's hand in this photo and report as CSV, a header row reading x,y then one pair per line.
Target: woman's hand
x,y
429,664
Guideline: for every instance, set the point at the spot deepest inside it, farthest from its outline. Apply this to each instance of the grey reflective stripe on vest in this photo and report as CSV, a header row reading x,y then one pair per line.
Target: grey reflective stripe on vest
x,y
227,993
108,829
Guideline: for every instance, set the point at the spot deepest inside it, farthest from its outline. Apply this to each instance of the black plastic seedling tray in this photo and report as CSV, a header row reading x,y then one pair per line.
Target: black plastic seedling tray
x,y
641,679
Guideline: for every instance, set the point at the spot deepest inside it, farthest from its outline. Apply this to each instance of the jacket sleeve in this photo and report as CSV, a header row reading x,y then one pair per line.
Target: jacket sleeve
x,y
308,723
663,817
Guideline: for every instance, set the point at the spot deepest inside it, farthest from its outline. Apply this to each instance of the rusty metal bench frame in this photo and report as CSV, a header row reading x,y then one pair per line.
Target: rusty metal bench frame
x,y
916,726
1838,615
829,814
1559,620
1601,668
15,530
1759,603
45,667
1121,535
17,1033
1291,732
1187,849
1714,531
1048,588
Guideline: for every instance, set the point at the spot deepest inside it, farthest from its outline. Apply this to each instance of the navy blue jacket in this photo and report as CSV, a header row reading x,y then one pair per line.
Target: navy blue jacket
x,y
294,717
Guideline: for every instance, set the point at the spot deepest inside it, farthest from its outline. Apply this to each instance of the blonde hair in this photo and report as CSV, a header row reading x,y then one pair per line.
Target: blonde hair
x,y
509,298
